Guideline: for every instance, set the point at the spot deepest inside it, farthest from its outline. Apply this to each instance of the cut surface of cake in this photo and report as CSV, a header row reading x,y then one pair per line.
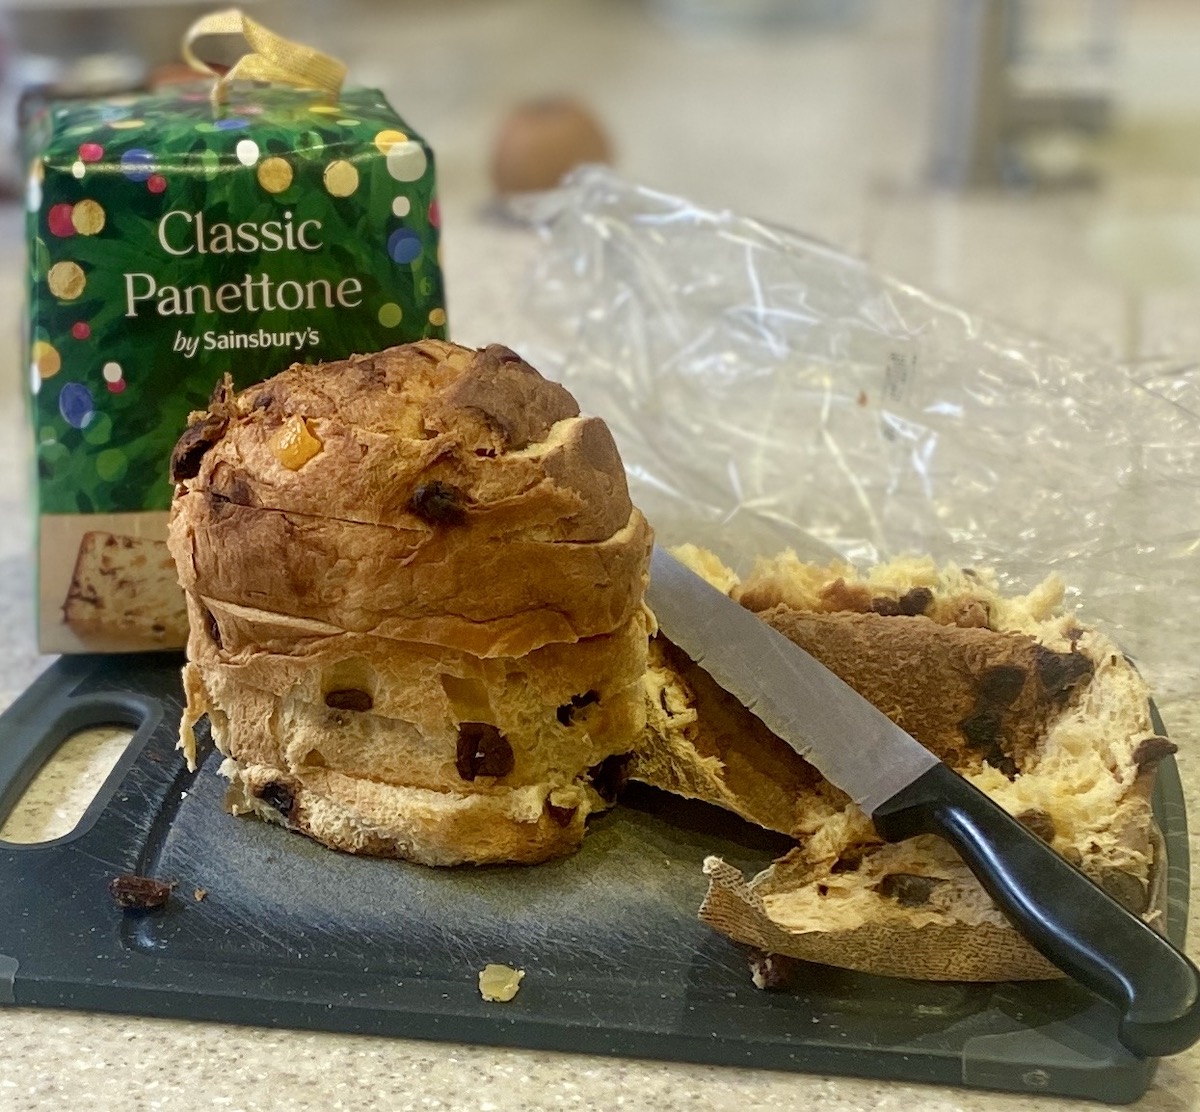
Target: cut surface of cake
x,y
1043,714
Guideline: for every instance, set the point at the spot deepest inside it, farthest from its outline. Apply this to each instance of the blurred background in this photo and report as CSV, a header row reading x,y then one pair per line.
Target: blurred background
x,y
1035,160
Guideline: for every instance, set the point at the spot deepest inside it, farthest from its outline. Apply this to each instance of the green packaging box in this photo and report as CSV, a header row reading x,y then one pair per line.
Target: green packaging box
x,y
167,246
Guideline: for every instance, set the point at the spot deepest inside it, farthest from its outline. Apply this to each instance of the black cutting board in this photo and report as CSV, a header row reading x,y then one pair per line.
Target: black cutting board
x,y
291,934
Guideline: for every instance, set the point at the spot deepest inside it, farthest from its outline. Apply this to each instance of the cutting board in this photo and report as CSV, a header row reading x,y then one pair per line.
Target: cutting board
x,y
291,934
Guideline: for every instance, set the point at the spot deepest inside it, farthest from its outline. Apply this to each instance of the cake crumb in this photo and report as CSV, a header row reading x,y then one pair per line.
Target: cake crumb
x,y
199,894
768,971
131,892
499,982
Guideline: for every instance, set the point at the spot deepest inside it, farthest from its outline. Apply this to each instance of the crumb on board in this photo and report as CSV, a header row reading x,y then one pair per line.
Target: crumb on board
x,y
199,894
499,982
771,972
139,893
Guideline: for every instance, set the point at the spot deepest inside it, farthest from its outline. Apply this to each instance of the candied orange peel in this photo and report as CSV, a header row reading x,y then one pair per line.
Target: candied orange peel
x,y
295,444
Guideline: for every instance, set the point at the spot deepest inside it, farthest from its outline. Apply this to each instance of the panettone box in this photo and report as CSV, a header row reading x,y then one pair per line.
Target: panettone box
x,y
168,244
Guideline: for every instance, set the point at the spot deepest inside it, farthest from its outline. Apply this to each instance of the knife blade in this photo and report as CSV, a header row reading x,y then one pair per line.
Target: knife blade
x,y
907,791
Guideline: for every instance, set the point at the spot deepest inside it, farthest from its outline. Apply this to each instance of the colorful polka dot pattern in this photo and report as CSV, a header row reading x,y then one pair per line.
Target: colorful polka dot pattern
x,y
76,404
137,164
404,246
88,217
46,359
274,174
340,178
111,465
363,188
66,280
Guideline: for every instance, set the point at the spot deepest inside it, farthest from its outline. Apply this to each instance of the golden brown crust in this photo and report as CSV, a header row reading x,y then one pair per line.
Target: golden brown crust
x,y
431,828
390,422
887,947
465,590
970,695
1038,711
455,501
415,585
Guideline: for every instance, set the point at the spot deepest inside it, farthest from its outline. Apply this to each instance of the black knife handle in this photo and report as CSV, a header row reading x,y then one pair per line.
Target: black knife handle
x,y
1066,917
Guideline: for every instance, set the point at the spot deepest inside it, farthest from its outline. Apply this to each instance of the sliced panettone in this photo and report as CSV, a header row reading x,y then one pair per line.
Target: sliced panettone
x,y
415,586
1043,714
124,591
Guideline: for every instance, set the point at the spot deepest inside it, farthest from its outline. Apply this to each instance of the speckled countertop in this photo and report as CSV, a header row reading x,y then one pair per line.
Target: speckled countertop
x,y
817,129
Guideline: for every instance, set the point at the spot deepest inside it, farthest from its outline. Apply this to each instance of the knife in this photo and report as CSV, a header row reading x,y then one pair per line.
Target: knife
x,y
907,790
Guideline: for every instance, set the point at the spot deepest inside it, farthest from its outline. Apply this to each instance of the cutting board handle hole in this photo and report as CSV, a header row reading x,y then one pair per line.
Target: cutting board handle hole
x,y
65,785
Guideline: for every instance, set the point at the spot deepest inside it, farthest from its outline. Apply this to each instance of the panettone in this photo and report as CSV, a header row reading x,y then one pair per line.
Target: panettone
x,y
414,582
1039,711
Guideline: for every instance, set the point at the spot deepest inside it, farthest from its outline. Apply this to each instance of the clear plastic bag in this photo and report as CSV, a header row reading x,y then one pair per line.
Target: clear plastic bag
x,y
767,390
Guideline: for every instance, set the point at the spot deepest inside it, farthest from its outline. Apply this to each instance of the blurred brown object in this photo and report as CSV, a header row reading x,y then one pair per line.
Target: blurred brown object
x,y
541,140
172,73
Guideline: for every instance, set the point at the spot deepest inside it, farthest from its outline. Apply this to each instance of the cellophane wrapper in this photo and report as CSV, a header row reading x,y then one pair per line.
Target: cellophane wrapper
x,y
767,390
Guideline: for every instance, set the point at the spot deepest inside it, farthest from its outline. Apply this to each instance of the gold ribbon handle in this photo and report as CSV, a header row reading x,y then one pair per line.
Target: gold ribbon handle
x,y
271,58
